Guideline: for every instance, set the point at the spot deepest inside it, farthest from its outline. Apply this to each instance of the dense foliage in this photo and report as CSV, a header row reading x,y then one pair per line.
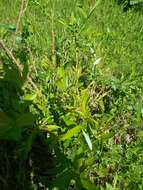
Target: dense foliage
x,y
71,96
127,4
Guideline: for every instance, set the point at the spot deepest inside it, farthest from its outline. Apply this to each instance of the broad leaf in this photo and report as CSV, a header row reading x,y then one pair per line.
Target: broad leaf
x,y
49,128
29,97
71,133
86,183
8,27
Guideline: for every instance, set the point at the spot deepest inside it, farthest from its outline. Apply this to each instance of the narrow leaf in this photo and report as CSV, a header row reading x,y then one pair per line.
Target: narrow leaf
x,y
84,103
87,138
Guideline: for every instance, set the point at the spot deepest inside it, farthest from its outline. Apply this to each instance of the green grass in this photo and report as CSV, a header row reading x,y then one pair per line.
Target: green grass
x,y
83,129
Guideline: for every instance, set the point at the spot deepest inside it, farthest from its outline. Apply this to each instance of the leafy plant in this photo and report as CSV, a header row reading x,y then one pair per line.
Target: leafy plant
x,y
70,96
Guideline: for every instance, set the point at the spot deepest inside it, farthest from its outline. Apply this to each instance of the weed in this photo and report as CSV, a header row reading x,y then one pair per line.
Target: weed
x,y
70,96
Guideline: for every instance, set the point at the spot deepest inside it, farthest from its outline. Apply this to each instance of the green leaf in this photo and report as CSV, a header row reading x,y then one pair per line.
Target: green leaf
x,y
82,12
68,120
62,82
140,134
86,183
30,28
96,62
87,138
84,103
30,97
50,128
72,20
109,187
101,105
13,76
71,133
25,72
8,27
63,179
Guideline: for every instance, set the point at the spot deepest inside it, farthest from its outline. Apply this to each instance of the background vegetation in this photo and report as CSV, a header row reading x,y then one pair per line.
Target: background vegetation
x,y
71,95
